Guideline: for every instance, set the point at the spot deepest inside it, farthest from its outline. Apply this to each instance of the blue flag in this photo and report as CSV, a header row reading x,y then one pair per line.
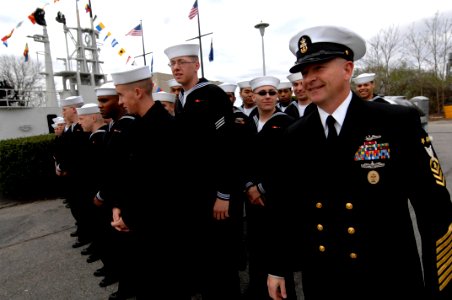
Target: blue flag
x,y
211,51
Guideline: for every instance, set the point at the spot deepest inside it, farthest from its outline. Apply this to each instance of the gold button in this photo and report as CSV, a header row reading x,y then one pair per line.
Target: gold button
x,y
322,248
319,227
318,205
349,205
353,255
351,230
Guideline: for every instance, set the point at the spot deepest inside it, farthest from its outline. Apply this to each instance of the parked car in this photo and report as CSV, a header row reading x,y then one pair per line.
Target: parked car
x,y
401,100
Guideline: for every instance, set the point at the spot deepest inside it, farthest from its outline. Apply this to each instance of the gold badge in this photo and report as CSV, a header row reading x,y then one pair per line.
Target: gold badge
x,y
373,177
303,45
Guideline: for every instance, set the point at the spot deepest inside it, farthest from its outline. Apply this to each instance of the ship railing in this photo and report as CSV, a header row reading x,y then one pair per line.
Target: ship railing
x,y
11,98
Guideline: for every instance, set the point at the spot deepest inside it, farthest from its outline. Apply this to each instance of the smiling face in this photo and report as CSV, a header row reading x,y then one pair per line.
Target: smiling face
x,y
299,91
365,90
327,84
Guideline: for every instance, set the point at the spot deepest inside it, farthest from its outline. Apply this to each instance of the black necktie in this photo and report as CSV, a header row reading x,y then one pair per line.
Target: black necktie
x,y
332,134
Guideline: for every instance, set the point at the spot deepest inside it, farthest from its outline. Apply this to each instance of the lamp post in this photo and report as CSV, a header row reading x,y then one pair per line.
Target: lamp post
x,y
261,26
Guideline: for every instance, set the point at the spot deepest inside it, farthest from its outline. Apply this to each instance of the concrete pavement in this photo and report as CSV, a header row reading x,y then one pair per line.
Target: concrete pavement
x,y
38,262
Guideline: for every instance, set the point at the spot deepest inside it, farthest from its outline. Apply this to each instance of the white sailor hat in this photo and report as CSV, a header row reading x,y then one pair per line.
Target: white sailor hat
x,y
58,120
131,75
172,83
295,77
164,96
244,84
72,100
228,87
322,43
54,126
284,85
363,78
106,89
88,109
264,80
182,50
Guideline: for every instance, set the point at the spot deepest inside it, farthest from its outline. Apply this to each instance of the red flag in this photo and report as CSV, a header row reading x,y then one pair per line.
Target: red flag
x,y
6,37
32,18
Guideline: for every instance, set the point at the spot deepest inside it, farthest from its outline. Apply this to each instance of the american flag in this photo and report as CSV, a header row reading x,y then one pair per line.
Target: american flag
x,y
193,10
137,31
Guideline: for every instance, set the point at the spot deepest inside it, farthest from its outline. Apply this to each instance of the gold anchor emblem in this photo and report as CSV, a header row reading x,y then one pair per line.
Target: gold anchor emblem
x,y
303,45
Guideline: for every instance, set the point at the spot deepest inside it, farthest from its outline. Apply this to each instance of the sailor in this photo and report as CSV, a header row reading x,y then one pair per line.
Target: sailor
x,y
175,87
344,215
246,94
302,106
74,139
284,95
204,118
151,251
365,86
168,100
229,89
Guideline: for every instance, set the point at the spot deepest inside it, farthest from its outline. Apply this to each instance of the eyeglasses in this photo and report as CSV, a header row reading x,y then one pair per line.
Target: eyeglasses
x,y
270,92
172,64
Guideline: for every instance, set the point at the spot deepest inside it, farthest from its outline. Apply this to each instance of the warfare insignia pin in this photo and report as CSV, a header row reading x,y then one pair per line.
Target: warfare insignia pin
x,y
373,177
372,165
372,137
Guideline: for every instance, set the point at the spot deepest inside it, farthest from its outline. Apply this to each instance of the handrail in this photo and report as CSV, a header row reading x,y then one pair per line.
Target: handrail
x,y
20,98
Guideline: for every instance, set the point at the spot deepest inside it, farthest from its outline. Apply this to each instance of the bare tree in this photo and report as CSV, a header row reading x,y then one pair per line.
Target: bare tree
x,y
389,47
382,49
440,44
23,76
416,48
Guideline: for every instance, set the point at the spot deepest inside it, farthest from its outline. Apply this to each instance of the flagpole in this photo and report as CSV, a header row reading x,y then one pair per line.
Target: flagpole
x,y
142,41
200,44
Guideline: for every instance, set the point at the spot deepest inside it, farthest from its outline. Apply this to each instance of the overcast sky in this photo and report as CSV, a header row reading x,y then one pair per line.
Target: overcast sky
x,y
237,44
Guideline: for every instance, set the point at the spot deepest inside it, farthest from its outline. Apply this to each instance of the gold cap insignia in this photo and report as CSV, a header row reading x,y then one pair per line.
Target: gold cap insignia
x,y
303,45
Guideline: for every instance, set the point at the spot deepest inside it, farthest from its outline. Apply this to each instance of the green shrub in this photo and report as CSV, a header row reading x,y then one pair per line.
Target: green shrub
x,y
27,168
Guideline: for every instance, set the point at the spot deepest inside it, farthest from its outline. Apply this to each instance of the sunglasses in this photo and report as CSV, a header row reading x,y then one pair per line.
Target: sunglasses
x,y
270,92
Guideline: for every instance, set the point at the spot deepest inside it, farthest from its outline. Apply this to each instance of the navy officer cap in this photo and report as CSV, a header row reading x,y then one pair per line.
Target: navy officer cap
x,y
322,43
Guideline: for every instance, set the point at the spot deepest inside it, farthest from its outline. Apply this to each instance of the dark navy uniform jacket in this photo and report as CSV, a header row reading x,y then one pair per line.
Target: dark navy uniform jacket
x,y
205,130
112,140
343,217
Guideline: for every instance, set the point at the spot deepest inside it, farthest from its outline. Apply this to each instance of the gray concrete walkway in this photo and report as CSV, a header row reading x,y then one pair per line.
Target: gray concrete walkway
x,y
38,262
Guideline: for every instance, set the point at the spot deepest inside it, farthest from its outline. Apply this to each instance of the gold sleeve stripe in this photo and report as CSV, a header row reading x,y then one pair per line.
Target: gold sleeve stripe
x,y
444,279
443,249
444,258
437,172
446,236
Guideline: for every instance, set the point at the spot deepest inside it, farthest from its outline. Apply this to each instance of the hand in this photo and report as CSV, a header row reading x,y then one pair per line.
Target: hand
x,y
97,202
276,287
254,196
221,209
118,222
